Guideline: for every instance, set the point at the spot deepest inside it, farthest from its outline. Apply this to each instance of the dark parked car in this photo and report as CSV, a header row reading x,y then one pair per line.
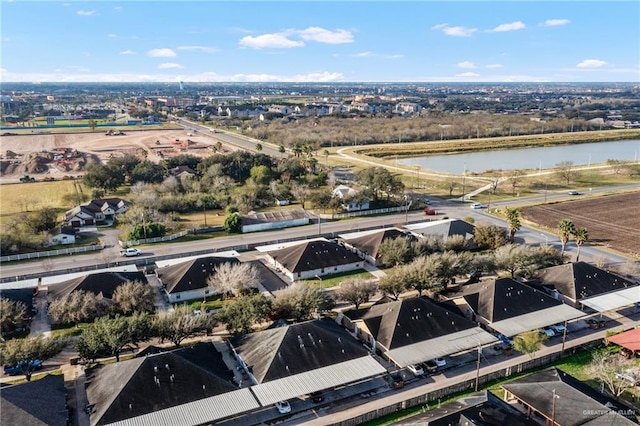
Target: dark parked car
x,y
594,323
20,367
316,397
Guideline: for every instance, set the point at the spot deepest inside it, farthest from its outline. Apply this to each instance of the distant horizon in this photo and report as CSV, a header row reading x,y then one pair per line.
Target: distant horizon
x,y
271,41
245,83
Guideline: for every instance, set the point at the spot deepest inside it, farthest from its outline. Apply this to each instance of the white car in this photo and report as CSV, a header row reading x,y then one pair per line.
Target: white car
x,y
548,331
131,252
440,362
478,206
283,407
558,328
416,370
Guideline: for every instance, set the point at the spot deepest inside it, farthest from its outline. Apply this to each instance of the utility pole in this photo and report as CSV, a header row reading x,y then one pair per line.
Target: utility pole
x,y
564,337
478,368
553,408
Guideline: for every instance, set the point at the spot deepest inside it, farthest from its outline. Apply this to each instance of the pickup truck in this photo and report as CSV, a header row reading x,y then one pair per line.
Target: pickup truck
x,y
130,252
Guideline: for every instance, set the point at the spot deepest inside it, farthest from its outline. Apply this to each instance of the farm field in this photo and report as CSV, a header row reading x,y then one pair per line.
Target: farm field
x,y
612,220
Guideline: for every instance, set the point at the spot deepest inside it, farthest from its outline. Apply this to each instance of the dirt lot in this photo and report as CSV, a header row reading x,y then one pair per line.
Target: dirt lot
x,y
34,154
612,220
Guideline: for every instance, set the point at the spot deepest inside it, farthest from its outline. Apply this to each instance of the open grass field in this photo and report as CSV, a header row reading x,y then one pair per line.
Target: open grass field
x,y
21,197
612,220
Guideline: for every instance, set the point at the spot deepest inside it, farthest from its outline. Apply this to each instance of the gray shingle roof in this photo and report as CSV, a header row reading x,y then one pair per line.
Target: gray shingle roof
x,y
286,351
371,242
156,382
104,283
192,274
313,255
580,280
39,402
577,403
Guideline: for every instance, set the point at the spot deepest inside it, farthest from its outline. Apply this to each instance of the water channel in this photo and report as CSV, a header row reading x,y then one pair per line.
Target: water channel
x,y
528,158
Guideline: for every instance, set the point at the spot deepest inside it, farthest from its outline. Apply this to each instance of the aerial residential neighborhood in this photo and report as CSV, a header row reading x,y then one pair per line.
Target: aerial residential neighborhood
x,y
320,213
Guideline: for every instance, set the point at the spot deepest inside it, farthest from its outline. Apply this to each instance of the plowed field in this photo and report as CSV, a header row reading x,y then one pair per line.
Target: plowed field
x,y
612,220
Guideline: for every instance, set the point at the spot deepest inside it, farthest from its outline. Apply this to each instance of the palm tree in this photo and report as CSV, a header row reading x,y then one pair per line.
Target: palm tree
x,y
581,235
513,222
566,229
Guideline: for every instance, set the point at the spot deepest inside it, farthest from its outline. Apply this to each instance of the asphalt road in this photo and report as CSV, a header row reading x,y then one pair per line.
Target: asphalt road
x,y
447,208
231,138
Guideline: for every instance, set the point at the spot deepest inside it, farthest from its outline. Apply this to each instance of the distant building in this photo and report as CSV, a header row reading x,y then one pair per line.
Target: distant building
x,y
352,199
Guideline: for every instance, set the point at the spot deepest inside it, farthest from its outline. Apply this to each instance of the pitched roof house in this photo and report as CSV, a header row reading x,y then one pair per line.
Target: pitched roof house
x,y
352,199
95,210
186,386
415,330
580,283
314,258
298,359
188,280
38,402
101,283
556,396
510,307
367,244
479,409
62,235
444,228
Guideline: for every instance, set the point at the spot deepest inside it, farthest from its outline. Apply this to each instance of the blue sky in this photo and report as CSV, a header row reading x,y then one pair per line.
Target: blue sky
x,y
320,41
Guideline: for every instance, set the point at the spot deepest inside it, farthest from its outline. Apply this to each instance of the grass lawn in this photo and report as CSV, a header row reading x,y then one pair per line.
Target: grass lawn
x,y
21,197
334,280
68,330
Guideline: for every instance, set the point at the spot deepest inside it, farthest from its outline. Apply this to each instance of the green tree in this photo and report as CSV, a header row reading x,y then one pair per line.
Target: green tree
x,y
513,222
147,171
395,251
566,229
25,352
490,236
258,147
233,223
181,324
245,311
281,149
357,290
529,342
102,177
392,286
42,220
147,230
580,235
12,315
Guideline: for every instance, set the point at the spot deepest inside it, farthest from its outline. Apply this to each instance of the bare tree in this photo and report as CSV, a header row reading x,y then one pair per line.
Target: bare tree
x,y
566,171
357,290
180,324
232,278
301,192
12,314
133,296
605,367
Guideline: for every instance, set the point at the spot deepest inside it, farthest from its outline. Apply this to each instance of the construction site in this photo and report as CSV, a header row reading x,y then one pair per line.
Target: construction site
x,y
63,155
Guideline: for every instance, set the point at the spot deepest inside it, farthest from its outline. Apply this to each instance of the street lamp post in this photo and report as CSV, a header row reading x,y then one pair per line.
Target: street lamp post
x,y
546,239
406,210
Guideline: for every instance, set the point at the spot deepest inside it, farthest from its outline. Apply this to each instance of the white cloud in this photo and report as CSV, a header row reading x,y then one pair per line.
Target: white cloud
x,y
368,54
117,8
204,49
467,64
512,26
162,53
269,41
455,31
169,65
494,66
127,52
86,12
112,35
555,22
66,4
468,74
591,63
3,70
322,35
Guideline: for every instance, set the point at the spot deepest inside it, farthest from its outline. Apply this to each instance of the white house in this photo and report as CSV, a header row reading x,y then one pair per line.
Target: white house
x,y
313,259
352,199
63,235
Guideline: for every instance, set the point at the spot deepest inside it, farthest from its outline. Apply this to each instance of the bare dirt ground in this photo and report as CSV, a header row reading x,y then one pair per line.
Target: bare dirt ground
x,y
38,155
612,220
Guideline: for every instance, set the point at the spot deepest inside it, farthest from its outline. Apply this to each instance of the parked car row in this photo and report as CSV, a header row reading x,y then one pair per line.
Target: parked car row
x,y
429,366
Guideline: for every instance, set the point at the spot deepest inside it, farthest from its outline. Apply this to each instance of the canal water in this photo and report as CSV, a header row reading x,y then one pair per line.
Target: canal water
x,y
529,158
